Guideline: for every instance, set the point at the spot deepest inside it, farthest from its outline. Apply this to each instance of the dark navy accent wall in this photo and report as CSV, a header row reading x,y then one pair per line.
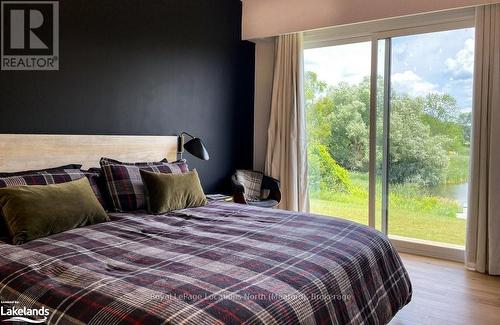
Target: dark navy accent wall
x,y
136,67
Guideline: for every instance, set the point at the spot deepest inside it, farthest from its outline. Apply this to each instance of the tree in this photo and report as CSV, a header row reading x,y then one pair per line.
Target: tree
x,y
442,115
423,130
416,155
349,141
313,87
318,109
451,130
441,106
347,118
465,121
325,174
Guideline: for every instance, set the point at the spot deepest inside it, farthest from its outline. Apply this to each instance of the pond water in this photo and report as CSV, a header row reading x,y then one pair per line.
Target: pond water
x,y
457,192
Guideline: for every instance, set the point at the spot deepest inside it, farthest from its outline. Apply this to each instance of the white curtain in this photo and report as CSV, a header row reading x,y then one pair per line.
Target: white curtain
x,y
483,226
286,156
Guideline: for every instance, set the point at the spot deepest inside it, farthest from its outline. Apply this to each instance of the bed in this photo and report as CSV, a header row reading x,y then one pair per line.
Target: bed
x,y
222,263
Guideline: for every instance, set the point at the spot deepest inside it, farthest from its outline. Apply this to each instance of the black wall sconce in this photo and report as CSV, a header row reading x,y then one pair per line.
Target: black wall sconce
x,y
194,146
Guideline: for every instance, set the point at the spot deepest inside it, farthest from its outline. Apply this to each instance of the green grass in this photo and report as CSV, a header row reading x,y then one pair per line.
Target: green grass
x,y
413,212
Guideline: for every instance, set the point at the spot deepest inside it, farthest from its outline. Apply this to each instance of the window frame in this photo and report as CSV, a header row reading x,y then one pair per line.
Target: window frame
x,y
384,31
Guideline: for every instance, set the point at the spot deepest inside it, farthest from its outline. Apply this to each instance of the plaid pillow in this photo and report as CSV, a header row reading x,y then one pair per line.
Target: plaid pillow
x,y
54,177
46,177
42,178
50,170
96,180
124,183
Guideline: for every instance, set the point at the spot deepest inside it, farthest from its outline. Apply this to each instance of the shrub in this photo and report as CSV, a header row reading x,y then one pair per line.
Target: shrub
x,y
325,174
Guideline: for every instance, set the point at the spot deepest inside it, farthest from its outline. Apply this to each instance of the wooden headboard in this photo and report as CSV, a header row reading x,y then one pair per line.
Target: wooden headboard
x,y
38,151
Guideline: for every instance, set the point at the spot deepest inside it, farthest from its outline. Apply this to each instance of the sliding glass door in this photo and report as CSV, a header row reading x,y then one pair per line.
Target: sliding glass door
x,y
337,92
388,123
429,135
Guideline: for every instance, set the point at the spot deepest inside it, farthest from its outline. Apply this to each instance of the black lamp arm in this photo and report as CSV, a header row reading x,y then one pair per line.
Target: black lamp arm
x,y
185,133
180,144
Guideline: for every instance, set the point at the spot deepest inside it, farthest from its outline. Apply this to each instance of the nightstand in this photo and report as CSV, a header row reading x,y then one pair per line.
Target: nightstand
x,y
219,198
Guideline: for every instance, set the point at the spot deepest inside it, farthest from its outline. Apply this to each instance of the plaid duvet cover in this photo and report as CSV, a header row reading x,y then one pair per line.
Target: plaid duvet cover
x,y
222,263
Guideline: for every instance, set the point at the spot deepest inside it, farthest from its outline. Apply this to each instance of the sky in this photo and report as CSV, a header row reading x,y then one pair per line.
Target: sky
x,y
439,62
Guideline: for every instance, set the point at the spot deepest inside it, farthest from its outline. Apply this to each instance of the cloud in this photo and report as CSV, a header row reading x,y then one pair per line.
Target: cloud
x,y
343,63
461,89
440,62
462,65
410,83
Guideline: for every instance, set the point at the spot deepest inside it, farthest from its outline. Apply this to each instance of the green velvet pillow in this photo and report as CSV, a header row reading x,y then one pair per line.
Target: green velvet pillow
x,y
167,192
36,211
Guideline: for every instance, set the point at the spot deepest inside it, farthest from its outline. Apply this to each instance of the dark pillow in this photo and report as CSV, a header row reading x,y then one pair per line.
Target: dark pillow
x,y
47,177
144,163
98,184
71,166
36,211
42,177
124,183
167,192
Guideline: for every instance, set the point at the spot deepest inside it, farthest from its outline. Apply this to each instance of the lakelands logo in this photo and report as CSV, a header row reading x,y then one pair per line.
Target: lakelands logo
x,y
30,35
12,313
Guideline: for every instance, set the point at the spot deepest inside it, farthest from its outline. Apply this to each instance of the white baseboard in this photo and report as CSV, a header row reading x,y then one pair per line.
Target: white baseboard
x,y
428,248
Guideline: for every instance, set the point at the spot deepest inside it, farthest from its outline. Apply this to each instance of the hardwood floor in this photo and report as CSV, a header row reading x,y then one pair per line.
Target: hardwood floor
x,y
446,293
